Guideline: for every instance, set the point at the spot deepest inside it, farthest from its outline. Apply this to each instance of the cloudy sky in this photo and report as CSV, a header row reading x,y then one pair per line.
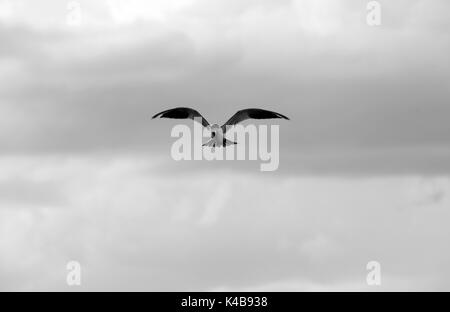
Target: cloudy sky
x,y
87,175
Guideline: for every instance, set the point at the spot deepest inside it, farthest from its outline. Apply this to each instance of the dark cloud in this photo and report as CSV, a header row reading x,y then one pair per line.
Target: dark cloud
x,y
100,97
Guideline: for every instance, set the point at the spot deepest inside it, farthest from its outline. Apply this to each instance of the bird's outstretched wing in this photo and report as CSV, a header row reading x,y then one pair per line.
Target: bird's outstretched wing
x,y
251,113
182,113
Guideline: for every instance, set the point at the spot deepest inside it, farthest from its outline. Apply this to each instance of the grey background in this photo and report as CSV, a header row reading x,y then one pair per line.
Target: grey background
x,y
86,175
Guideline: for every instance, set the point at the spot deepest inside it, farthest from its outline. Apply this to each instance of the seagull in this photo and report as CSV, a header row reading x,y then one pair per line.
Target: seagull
x,y
218,133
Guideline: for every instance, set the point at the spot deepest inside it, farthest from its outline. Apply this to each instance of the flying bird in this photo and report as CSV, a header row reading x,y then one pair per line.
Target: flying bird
x,y
217,132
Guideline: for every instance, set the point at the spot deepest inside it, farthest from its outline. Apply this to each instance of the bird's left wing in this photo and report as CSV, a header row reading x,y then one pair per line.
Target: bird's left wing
x,y
251,113
182,113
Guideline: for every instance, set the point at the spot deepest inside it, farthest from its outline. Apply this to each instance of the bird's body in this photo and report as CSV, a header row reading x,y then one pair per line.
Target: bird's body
x,y
218,133
217,138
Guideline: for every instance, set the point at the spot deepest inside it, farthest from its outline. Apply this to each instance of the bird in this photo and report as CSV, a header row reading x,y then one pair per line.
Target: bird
x,y
218,133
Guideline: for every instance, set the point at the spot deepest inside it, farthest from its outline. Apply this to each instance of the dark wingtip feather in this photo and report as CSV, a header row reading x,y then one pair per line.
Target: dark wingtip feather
x,y
279,115
160,114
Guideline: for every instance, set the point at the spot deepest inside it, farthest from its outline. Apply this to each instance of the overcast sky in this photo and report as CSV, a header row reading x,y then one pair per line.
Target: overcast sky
x,y
87,175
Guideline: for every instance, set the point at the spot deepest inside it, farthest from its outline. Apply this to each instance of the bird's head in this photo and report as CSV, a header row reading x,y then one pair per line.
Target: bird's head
x,y
214,129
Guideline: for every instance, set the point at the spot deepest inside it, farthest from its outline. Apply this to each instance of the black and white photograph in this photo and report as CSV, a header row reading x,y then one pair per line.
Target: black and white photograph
x,y
224,146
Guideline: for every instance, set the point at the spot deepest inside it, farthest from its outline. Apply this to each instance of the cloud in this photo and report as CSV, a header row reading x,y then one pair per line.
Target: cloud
x,y
87,175
123,221
218,200
345,85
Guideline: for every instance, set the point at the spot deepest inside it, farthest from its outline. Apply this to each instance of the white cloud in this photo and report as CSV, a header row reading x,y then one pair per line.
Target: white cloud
x,y
124,12
219,195
280,233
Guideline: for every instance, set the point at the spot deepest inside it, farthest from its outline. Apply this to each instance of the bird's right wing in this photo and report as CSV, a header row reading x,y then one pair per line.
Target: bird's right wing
x,y
182,113
251,113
